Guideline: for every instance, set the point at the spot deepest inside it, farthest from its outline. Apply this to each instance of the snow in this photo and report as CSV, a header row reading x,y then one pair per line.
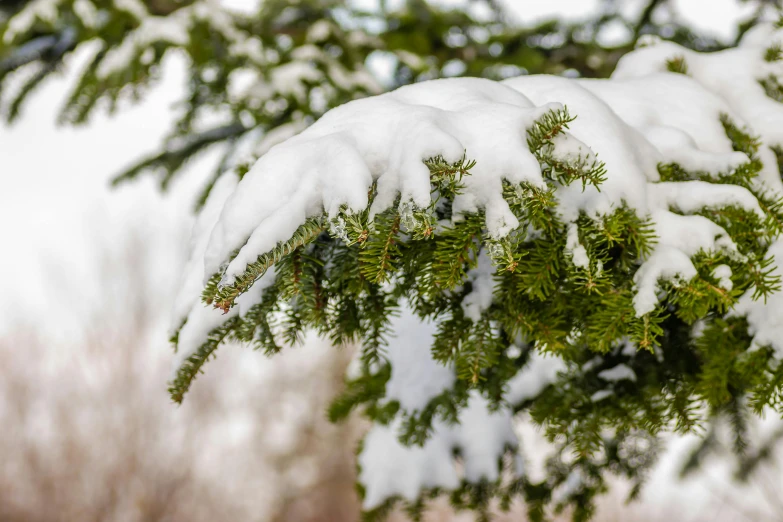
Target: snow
x,y
667,263
630,160
319,31
539,372
192,319
601,395
573,483
618,373
416,377
575,249
23,21
723,274
335,161
87,12
193,272
172,29
388,469
677,115
480,297
133,7
692,196
765,317
689,234
732,75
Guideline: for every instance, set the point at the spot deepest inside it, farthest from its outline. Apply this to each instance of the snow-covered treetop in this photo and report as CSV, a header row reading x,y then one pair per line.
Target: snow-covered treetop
x,y
598,252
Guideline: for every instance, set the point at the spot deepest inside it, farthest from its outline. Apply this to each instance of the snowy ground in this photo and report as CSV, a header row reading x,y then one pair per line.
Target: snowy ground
x,y
60,222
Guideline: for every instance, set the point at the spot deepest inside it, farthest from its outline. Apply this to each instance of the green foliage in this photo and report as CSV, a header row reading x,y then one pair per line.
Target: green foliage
x,y
345,276
677,65
774,53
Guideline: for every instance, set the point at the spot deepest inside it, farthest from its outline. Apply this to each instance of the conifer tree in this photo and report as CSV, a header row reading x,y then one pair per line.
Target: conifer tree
x,y
598,253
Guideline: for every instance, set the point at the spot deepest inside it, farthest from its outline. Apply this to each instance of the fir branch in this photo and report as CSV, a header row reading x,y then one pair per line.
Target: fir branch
x,y
172,159
677,64
741,139
773,53
366,389
456,251
479,351
552,123
223,297
192,365
380,253
772,87
446,177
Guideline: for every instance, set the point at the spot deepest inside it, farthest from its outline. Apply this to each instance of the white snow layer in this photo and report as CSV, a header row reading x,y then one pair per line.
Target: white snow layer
x,y
540,371
765,317
416,377
621,139
641,117
24,21
480,297
383,139
618,373
389,468
199,319
732,75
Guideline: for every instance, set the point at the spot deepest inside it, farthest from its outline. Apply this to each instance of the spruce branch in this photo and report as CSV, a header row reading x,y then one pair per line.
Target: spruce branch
x,y
172,159
191,366
773,53
224,296
677,64
545,128
380,253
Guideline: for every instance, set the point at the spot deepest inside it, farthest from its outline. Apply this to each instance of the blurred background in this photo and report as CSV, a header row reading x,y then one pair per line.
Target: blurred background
x,y
87,429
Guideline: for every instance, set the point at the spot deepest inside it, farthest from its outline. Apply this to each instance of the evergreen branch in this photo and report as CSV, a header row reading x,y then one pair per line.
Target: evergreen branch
x,y
545,128
223,297
446,177
772,87
741,139
773,53
677,64
192,365
171,160
456,250
381,251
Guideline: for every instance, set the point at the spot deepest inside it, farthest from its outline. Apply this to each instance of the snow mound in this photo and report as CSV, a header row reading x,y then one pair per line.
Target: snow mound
x,y
383,140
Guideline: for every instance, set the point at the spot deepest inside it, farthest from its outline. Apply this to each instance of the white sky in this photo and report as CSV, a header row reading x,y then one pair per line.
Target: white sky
x,y
56,208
